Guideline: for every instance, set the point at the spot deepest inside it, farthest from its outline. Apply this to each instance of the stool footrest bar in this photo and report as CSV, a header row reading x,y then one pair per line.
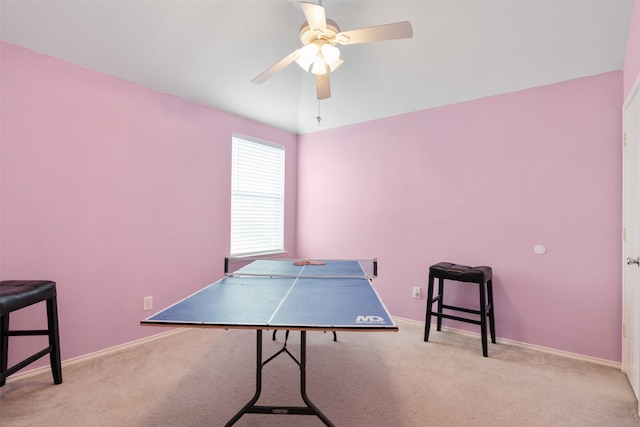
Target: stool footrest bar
x,y
24,333
15,368
461,319
466,310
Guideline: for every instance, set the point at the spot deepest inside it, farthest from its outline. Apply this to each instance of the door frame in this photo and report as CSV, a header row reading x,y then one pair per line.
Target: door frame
x,y
630,332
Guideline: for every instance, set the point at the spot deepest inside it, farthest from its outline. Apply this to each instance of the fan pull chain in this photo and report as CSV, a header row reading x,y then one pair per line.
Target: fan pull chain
x,y
318,118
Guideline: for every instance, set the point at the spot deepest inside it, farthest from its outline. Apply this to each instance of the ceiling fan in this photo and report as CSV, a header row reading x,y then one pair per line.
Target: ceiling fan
x,y
319,53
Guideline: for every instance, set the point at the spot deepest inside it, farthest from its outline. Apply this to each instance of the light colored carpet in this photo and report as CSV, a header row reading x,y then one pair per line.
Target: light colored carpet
x,y
202,377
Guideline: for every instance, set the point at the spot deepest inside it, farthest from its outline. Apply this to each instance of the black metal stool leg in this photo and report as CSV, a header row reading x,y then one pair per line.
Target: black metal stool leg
x,y
54,340
440,300
427,321
483,319
492,325
4,345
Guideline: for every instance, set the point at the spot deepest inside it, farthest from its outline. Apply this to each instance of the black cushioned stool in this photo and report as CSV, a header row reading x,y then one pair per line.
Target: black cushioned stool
x,y
461,273
17,294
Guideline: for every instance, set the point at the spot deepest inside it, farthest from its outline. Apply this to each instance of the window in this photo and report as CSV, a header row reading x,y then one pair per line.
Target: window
x,y
257,197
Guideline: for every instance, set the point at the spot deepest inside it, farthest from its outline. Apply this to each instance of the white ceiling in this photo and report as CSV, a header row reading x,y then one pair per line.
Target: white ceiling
x,y
209,51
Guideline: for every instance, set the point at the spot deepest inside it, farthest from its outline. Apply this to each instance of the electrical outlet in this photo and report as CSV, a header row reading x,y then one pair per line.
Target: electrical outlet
x,y
147,303
416,292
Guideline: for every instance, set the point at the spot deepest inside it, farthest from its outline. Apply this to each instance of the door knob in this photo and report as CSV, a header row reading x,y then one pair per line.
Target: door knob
x,y
631,261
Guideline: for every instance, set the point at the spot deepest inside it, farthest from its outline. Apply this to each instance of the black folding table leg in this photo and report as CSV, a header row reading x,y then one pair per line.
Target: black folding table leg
x,y
303,380
256,396
252,408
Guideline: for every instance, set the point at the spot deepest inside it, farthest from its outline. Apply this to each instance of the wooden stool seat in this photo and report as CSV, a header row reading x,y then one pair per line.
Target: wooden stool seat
x,y
17,294
482,276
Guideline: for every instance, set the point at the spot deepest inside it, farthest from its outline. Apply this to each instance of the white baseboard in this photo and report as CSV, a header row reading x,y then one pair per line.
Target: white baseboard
x,y
505,341
161,335
36,371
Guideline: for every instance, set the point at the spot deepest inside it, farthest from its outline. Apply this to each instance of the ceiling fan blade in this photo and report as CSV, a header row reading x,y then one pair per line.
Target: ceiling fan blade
x,y
279,66
397,30
315,16
323,87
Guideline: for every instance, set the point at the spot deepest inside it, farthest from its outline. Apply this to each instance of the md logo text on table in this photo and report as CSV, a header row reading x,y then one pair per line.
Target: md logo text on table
x,y
369,320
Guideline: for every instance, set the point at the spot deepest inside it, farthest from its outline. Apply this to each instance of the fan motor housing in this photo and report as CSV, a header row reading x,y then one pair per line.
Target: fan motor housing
x,y
307,35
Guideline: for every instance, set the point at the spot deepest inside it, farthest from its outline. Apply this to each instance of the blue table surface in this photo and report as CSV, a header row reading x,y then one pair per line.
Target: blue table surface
x,y
283,300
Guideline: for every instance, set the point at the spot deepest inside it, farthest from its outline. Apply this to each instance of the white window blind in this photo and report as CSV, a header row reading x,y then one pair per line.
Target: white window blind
x,y
257,197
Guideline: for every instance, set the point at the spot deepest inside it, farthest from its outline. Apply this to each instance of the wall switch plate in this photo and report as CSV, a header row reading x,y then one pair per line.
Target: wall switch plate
x,y
416,292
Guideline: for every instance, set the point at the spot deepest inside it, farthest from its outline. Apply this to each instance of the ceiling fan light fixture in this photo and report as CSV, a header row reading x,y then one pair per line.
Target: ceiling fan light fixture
x,y
331,53
308,55
319,66
319,57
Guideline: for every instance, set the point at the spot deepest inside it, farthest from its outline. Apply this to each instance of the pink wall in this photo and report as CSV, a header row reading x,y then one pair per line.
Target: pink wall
x,y
632,58
482,183
117,192
114,191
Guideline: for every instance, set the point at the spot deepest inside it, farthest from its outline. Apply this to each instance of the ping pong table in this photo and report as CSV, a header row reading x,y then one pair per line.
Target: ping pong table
x,y
285,294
